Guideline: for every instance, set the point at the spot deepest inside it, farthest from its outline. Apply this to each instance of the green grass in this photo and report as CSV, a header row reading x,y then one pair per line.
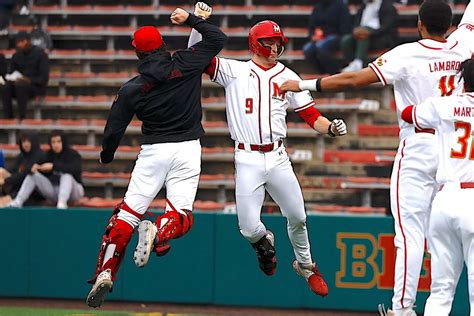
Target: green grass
x,y
29,311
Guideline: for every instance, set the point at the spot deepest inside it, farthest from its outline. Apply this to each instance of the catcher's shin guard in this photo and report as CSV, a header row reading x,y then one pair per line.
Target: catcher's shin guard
x,y
112,248
265,249
171,225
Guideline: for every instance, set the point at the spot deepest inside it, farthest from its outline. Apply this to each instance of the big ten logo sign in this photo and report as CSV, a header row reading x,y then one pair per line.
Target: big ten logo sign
x,y
368,261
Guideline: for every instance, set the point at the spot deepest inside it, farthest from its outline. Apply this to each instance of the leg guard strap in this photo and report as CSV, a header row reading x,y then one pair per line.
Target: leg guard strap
x,y
171,225
114,242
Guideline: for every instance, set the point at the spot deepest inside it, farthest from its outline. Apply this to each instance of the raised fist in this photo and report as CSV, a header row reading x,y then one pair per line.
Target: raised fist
x,y
179,16
202,10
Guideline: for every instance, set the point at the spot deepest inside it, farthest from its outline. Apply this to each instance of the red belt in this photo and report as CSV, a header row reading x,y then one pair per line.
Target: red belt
x,y
463,185
262,148
424,130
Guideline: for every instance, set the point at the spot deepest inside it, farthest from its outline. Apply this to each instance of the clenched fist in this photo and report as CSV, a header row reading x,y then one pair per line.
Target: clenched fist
x,y
202,10
338,127
179,16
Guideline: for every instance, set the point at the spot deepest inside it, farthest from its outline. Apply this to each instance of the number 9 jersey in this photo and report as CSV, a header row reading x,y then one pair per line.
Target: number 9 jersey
x,y
255,106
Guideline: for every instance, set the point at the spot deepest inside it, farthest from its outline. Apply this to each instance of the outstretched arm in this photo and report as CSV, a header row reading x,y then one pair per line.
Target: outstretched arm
x,y
334,83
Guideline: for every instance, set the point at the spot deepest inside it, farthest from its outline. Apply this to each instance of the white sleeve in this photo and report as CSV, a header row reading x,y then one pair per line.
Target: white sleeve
x,y
468,16
390,66
426,115
299,101
226,70
465,31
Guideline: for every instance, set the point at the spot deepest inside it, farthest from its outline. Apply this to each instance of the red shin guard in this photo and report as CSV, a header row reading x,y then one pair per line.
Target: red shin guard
x,y
112,249
171,225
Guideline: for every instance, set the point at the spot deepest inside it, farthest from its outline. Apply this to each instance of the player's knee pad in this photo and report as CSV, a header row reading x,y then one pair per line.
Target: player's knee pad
x,y
173,224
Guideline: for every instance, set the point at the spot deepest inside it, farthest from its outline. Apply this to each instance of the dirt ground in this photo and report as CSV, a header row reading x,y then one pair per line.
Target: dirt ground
x,y
174,308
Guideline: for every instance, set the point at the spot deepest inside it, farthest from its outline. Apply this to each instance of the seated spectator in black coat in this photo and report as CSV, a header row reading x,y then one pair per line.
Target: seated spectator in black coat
x,y
58,178
375,27
28,77
30,153
329,21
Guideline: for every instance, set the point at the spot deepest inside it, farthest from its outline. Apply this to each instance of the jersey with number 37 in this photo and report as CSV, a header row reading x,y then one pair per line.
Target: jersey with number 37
x,y
420,70
255,106
453,119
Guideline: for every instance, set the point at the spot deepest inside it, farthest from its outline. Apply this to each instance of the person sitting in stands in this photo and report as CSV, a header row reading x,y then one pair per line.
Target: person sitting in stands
x,y
58,178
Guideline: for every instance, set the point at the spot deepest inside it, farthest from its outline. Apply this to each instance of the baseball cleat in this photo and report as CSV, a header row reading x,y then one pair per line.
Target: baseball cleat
x,y
101,287
400,312
313,277
146,239
265,249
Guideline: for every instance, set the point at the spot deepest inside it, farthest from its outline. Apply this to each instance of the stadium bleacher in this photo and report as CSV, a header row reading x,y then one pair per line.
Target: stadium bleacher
x,y
92,57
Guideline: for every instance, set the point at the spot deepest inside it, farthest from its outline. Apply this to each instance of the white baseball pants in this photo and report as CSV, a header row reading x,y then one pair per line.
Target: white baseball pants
x,y
174,165
412,187
451,243
271,171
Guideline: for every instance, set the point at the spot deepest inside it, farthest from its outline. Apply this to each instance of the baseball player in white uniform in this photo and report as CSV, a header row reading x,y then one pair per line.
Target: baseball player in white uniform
x,y
256,113
451,229
418,70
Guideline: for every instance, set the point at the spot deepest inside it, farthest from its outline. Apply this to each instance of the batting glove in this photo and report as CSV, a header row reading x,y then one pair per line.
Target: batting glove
x,y
202,10
339,126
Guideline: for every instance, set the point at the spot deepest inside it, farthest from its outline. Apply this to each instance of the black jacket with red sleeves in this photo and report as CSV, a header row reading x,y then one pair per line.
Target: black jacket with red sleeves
x,y
166,95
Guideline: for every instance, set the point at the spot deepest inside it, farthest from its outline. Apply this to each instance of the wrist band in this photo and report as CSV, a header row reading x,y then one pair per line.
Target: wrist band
x,y
308,85
318,85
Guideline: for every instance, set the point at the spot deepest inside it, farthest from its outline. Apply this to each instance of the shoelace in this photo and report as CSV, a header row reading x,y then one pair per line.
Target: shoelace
x,y
316,272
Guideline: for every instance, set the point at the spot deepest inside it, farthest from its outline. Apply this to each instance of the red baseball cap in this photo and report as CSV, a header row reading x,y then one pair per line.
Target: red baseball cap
x,y
147,38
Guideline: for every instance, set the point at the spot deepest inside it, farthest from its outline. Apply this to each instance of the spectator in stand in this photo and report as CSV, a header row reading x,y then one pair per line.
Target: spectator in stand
x,y
28,77
23,7
6,9
375,27
30,154
329,21
40,37
57,178
2,162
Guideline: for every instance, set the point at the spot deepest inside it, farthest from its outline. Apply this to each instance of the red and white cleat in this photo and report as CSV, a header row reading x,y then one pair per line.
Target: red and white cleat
x,y
313,277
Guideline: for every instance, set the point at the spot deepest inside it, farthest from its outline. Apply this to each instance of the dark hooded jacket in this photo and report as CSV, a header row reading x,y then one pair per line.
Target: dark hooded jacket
x,y
67,161
34,64
166,95
22,164
25,160
332,16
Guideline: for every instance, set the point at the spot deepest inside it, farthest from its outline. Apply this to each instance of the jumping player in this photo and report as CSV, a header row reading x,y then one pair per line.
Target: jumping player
x,y
451,229
166,97
256,113
418,70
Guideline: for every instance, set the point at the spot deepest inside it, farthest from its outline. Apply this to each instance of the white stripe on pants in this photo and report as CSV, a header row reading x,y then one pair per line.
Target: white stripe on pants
x,y
175,165
272,171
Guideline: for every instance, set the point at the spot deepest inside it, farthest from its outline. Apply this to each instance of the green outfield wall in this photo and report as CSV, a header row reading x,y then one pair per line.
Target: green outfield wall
x,y
51,253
